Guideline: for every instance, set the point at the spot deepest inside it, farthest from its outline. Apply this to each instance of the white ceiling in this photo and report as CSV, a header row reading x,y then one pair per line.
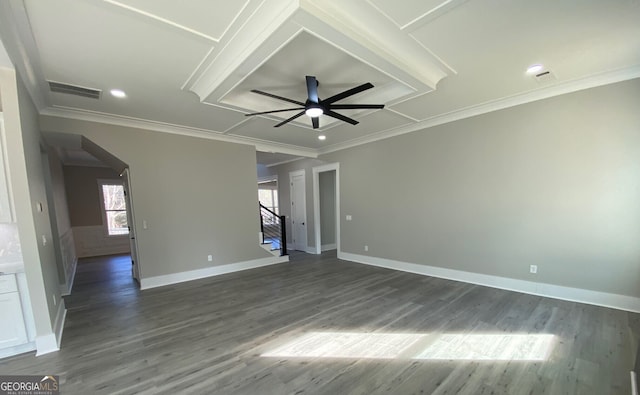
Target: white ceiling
x,y
188,67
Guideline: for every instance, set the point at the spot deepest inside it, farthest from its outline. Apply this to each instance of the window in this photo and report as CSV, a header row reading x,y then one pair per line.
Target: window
x,y
115,208
268,195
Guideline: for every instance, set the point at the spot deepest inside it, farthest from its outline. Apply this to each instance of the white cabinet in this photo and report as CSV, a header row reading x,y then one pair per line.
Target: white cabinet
x,y
5,203
12,329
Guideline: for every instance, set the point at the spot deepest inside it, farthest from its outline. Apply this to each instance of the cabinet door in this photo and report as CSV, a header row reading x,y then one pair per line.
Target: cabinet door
x,y
12,330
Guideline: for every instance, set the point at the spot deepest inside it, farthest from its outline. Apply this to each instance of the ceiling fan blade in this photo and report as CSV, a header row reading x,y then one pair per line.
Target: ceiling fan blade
x,y
315,121
341,117
312,89
289,120
270,112
348,93
354,106
277,97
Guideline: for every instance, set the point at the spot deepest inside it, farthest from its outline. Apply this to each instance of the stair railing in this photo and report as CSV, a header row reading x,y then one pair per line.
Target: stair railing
x,y
273,228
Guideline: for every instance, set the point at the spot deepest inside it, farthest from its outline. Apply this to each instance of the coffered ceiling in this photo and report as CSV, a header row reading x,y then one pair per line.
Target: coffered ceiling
x,y
189,67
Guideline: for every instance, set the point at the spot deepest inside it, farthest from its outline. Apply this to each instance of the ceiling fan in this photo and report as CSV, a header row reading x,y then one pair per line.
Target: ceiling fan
x,y
314,106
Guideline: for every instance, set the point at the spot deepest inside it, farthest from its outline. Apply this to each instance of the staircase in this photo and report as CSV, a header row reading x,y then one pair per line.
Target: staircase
x,y
273,232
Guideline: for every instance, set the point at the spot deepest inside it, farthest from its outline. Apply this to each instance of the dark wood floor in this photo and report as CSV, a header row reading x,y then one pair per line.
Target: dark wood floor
x,y
209,336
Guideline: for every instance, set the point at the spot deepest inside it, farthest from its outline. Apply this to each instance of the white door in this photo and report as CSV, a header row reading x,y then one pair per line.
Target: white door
x,y
135,270
298,211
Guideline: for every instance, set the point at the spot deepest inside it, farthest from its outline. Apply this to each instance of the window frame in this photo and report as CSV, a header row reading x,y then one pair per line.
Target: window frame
x,y
103,209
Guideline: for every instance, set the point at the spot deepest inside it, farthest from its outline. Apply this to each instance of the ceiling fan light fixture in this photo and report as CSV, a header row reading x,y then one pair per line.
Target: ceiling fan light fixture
x,y
314,111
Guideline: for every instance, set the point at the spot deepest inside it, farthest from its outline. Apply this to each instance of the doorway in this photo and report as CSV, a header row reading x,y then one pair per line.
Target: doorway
x,y
298,210
326,179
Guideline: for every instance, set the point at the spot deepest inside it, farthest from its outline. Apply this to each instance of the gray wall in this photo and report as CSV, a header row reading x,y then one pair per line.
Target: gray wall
x,y
83,194
327,194
198,196
554,183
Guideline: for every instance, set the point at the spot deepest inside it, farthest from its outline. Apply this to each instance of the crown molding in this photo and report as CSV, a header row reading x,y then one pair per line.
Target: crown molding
x,y
268,146
592,81
145,124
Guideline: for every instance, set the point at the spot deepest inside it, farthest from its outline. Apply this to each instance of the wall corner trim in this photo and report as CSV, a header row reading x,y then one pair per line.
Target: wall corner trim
x,y
51,342
615,301
175,278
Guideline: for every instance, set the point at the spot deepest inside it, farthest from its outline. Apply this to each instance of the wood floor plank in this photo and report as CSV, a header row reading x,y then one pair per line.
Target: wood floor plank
x,y
210,336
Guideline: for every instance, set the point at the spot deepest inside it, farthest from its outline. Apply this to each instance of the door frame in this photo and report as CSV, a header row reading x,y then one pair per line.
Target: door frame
x,y
316,203
133,234
293,174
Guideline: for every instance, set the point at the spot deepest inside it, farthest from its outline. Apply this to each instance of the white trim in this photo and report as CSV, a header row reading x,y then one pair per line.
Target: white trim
x,y
310,250
292,174
51,342
156,126
316,203
269,178
65,289
621,302
58,325
15,350
105,223
46,344
175,278
284,162
634,383
592,81
329,247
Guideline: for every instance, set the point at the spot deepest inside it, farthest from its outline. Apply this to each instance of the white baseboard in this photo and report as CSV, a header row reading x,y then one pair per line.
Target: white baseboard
x,y
174,278
328,247
621,302
46,344
51,341
58,325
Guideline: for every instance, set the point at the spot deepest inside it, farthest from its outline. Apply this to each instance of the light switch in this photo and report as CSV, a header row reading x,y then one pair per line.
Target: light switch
x,y
144,224
44,240
348,217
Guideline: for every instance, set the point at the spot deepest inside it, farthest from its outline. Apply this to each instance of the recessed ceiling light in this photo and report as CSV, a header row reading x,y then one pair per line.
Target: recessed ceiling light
x,y
118,93
322,137
534,68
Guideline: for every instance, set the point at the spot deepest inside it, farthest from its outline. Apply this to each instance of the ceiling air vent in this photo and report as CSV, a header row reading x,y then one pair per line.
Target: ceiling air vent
x,y
59,87
545,77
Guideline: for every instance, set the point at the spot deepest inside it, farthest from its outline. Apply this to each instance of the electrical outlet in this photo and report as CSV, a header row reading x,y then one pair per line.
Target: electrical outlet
x,y
533,269
366,248
349,218
210,258
55,300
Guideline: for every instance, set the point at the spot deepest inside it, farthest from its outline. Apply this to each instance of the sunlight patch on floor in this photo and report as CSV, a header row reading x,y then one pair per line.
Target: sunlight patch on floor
x,y
422,346
346,345
489,347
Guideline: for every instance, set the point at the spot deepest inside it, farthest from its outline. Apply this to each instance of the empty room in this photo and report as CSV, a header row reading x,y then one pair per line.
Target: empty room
x,y
319,197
